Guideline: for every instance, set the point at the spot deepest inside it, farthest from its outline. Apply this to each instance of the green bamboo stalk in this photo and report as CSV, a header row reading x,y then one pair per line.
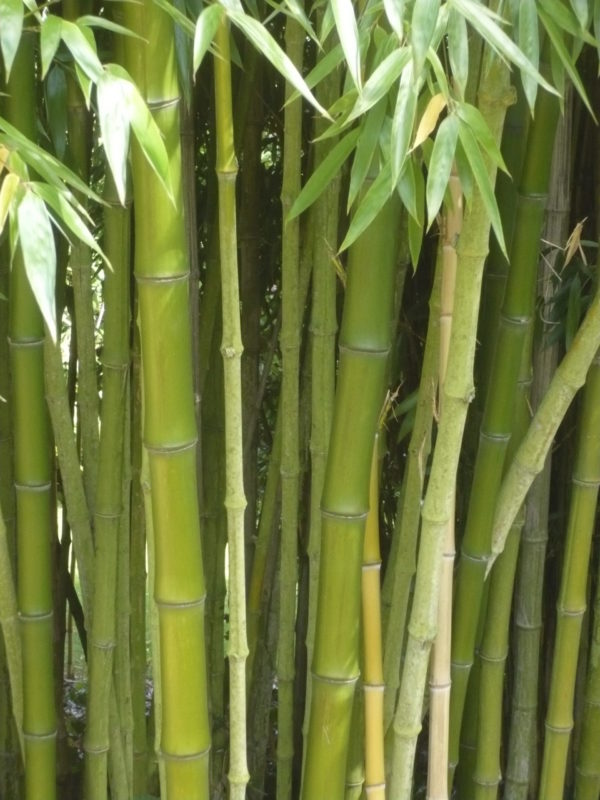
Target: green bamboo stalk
x,y
33,468
402,561
573,589
372,671
231,349
364,347
355,763
494,645
521,768
323,328
531,455
162,276
108,502
80,261
587,774
494,97
496,426
290,467
439,682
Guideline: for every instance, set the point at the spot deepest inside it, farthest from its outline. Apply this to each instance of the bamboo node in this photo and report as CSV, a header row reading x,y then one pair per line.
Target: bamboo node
x,y
185,756
560,730
39,736
181,604
32,487
177,277
171,450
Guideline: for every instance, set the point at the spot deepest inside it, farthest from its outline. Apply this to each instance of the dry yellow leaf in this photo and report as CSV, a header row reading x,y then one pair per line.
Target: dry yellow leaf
x,y
429,119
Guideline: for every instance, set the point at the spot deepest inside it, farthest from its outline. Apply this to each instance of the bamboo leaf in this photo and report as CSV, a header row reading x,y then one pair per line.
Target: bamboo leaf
x,y
440,165
581,9
55,87
475,120
319,180
50,31
113,116
464,173
380,82
371,204
483,21
529,42
93,21
368,139
345,23
407,188
39,255
394,11
596,23
563,54
11,25
403,122
9,187
206,27
480,174
429,120
180,19
59,203
424,18
50,168
458,49
566,20
82,51
264,43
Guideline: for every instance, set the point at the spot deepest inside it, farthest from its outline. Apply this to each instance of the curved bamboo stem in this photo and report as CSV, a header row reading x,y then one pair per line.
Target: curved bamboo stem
x,y
231,349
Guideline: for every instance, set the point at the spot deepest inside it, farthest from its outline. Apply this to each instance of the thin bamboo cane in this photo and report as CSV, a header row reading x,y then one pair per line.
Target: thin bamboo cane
x,y
439,683
290,466
162,277
372,671
231,349
573,589
355,763
587,775
33,467
80,261
494,97
522,757
108,501
494,646
531,455
364,347
402,563
9,623
496,426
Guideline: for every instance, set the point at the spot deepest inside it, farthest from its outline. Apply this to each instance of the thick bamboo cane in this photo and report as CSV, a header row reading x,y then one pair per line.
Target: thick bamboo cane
x,y
9,623
162,276
439,683
521,768
231,349
364,347
290,440
109,494
496,426
573,590
33,472
494,97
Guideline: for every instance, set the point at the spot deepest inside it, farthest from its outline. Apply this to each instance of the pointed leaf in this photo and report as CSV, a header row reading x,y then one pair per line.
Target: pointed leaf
x,y
424,18
529,42
180,19
483,22
566,20
404,120
264,43
366,146
39,255
581,9
394,11
482,179
327,169
92,21
430,118
10,184
563,54
440,165
371,204
206,27
345,23
380,82
11,25
458,49
113,115
81,49
56,108
415,240
476,121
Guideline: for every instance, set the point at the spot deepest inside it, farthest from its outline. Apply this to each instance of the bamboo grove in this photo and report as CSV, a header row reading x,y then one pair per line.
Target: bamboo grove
x,y
299,399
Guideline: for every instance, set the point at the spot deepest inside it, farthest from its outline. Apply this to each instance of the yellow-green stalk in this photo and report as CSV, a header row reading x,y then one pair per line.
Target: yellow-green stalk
x,y
231,349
